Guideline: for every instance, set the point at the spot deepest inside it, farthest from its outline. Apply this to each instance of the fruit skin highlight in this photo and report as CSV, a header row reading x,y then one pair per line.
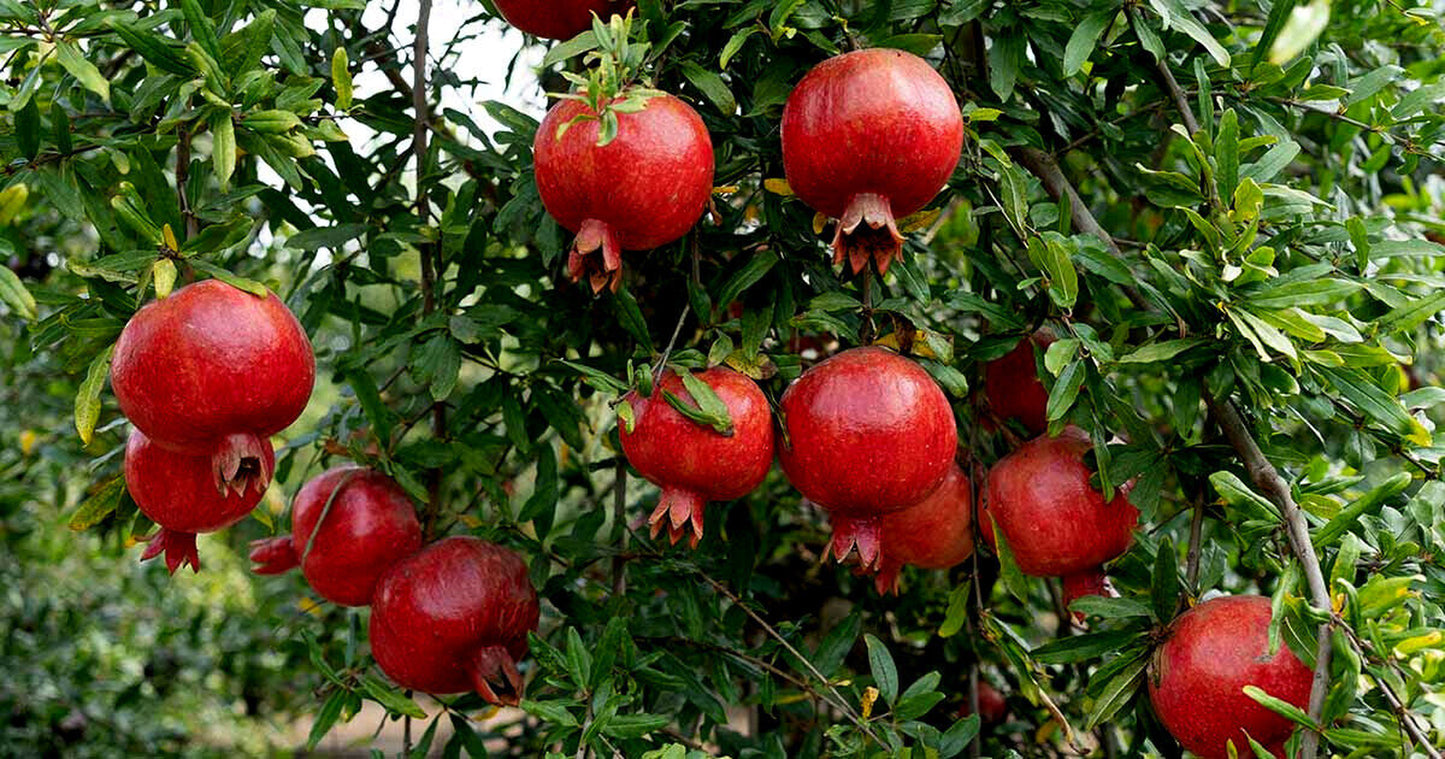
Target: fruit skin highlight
x,y
559,19
644,189
692,462
1197,677
1057,525
454,618
935,533
371,525
180,494
865,433
870,137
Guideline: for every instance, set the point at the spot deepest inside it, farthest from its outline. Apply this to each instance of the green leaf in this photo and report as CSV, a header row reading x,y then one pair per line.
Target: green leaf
x,y
1082,41
83,70
1300,30
1117,692
1365,504
734,44
712,86
158,51
1013,577
1078,648
87,398
880,663
1161,351
14,294
957,737
1371,400
389,697
1065,391
1279,12
163,276
223,146
326,718
1281,707
1236,493
630,317
1178,17
326,237
203,30
1110,608
635,725
543,500
709,409
99,505
1164,591
956,615
341,78
27,130
754,270
1411,315
240,283
1314,292
552,712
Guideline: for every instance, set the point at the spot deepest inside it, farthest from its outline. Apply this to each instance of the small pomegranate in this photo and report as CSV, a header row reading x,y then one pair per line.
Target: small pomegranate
x,y
694,463
181,495
992,706
370,525
1056,523
454,618
558,19
645,188
868,138
214,371
1013,387
1197,678
865,433
935,533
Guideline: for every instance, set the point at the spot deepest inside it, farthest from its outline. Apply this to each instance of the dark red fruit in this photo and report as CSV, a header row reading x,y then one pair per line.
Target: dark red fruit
x,y
213,371
992,707
1056,524
694,463
868,138
455,618
370,525
180,493
559,19
645,188
1013,387
935,533
1197,678
866,432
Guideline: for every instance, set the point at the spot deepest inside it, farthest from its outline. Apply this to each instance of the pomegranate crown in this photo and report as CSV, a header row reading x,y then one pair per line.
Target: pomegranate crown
x,y
613,83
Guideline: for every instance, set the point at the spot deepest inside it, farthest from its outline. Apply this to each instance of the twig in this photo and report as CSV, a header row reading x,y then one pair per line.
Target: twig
x,y
672,341
619,518
1196,536
1274,487
1043,166
1170,83
183,175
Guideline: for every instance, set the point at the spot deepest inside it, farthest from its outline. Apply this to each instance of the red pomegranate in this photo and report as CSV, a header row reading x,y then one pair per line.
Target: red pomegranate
x,y
558,19
694,463
1197,678
992,706
1057,524
214,371
865,433
454,618
370,525
868,138
1013,387
935,533
181,495
644,189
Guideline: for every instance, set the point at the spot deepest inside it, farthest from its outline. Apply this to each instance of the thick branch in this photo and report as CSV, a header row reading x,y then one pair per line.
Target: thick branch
x,y
1043,166
1274,487
1170,83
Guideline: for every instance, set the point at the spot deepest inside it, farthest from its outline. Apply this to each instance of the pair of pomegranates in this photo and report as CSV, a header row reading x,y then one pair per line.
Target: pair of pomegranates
x,y
648,186
450,617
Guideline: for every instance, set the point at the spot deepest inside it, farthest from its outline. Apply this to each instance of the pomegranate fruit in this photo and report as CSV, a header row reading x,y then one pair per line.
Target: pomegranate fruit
x,y
558,19
645,188
1057,525
214,371
454,617
692,462
868,138
935,533
1197,678
180,494
992,706
370,525
1013,387
865,433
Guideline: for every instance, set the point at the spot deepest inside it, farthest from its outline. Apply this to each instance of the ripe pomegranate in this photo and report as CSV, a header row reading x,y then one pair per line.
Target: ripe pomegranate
x,y
558,19
1056,524
644,189
1197,677
180,494
865,433
214,371
935,533
1013,387
868,138
694,463
370,525
992,707
454,618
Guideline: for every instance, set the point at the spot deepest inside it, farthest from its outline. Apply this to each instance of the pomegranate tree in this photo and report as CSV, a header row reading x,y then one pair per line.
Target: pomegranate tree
x,y
1056,523
1013,387
693,462
179,492
212,372
1196,679
643,189
865,433
455,617
868,138
348,526
935,533
558,19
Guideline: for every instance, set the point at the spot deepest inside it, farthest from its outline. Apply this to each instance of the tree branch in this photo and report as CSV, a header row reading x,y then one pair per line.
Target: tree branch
x,y
1043,166
1274,487
1167,76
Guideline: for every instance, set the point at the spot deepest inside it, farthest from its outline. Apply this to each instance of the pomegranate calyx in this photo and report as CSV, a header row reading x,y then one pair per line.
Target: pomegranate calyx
x,y
179,548
601,271
240,463
681,512
865,535
866,231
274,556
494,675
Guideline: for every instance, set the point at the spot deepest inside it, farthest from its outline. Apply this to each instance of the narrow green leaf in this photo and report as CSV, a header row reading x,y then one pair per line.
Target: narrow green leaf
x,y
880,663
14,294
712,86
99,505
87,398
83,70
1117,692
389,697
1082,41
1065,391
341,78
